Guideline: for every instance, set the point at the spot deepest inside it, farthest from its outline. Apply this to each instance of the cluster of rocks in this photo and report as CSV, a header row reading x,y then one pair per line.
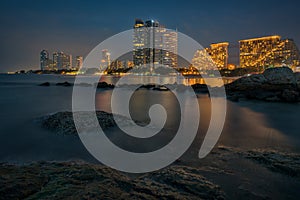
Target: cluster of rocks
x,y
105,85
275,84
102,85
79,180
65,84
199,88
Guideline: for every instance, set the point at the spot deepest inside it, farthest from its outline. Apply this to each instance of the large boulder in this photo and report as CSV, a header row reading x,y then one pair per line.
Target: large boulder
x,y
275,84
290,95
279,75
297,78
248,82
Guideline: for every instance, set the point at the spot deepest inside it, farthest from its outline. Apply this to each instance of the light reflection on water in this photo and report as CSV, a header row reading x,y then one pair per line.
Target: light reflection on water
x,y
171,80
248,124
244,127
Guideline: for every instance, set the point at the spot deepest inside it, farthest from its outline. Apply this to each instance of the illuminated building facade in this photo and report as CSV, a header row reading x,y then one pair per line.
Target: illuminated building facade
x,y
202,60
105,61
153,43
62,61
44,60
79,62
219,54
216,56
270,51
139,42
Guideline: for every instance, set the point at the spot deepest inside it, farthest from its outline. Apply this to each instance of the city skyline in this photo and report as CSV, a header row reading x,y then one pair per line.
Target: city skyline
x,y
258,53
78,26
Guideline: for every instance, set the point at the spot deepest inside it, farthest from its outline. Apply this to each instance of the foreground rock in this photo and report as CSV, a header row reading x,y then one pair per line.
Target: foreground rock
x,y
285,163
275,84
48,180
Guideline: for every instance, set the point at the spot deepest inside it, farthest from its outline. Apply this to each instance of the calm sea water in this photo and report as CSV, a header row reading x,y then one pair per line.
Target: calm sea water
x,y
248,124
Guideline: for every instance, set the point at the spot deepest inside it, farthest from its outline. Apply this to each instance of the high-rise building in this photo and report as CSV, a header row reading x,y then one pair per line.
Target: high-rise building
x,y
219,54
79,62
170,45
153,43
270,51
105,61
62,60
203,61
44,60
117,64
139,42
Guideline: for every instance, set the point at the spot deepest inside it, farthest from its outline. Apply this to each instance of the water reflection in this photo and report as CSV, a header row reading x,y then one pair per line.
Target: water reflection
x,y
244,127
171,80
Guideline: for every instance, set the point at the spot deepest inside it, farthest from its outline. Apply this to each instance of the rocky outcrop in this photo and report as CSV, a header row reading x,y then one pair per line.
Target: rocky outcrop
x,y
45,84
279,76
104,85
78,180
275,84
285,163
65,84
63,122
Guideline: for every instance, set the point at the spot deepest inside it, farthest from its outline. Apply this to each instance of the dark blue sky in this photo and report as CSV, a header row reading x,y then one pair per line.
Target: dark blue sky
x,y
77,26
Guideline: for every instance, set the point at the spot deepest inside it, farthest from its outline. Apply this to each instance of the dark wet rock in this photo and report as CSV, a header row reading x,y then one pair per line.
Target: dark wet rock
x,y
65,84
279,75
285,163
104,85
63,122
45,84
200,88
290,95
148,86
275,84
297,79
273,99
78,180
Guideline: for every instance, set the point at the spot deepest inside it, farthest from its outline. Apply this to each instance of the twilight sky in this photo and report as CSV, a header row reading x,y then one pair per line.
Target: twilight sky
x,y
77,26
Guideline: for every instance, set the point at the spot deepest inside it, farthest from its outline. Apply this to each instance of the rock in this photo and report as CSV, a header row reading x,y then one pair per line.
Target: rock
x,y
297,79
45,84
275,84
260,94
148,86
285,163
290,95
244,83
79,180
105,85
65,84
63,122
161,88
200,88
279,75
258,78
273,99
